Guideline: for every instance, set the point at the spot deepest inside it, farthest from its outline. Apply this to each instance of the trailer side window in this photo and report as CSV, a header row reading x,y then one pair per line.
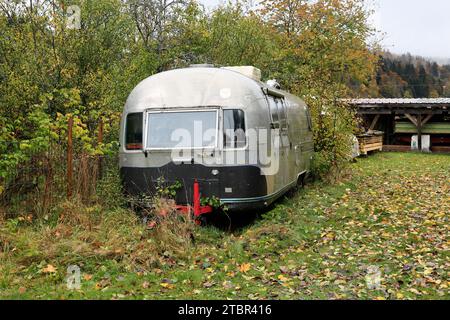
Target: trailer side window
x,y
133,131
274,111
234,129
282,113
308,118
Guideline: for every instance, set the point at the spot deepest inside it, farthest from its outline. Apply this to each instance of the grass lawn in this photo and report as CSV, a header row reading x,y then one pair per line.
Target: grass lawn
x,y
387,221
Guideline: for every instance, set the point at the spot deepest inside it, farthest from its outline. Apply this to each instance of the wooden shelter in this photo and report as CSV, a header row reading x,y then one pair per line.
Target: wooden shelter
x,y
401,119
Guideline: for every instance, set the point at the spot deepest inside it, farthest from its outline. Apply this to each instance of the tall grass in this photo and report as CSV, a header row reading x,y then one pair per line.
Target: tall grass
x,y
75,233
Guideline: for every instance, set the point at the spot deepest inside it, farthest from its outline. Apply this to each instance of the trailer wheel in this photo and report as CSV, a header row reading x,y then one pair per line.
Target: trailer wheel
x,y
301,181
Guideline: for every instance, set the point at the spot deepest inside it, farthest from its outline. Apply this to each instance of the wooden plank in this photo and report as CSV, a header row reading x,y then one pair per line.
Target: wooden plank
x,y
374,112
439,149
419,131
402,148
429,128
371,147
424,121
399,111
99,142
370,143
374,122
411,118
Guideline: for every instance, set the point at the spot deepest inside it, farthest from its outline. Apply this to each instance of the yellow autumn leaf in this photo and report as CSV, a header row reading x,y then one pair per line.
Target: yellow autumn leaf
x,y
283,278
167,285
49,269
87,277
245,267
230,274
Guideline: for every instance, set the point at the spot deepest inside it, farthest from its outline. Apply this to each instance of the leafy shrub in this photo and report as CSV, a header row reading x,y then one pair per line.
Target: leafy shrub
x,y
109,190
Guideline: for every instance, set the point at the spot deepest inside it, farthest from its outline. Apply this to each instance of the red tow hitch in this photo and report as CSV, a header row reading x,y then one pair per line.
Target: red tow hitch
x,y
199,210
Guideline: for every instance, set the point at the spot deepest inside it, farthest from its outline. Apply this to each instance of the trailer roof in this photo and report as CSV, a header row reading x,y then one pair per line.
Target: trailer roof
x,y
196,87
402,101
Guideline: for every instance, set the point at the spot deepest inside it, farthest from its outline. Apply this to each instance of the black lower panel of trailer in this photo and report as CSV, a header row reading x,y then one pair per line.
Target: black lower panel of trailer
x,y
240,182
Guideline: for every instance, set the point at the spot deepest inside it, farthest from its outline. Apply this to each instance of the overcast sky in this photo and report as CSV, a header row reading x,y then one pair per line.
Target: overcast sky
x,y
421,27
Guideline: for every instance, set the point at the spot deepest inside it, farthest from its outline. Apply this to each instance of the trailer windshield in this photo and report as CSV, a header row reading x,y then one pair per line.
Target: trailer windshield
x,y
181,129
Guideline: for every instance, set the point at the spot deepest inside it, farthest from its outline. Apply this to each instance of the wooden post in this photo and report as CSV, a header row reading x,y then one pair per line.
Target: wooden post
x,y
69,158
374,122
425,121
83,178
99,142
419,131
48,182
391,129
411,118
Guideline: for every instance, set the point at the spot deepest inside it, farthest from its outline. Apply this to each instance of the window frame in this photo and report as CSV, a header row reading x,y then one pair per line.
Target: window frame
x,y
125,126
284,111
309,119
159,111
271,100
284,127
245,147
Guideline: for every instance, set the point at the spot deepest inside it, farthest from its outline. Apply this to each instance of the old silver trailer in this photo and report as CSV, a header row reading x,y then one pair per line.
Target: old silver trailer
x,y
243,141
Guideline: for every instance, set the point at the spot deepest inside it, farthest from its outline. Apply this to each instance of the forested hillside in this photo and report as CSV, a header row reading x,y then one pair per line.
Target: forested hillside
x,y
407,76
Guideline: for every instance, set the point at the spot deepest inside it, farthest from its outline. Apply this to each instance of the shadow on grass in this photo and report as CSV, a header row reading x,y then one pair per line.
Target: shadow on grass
x,y
236,222
232,221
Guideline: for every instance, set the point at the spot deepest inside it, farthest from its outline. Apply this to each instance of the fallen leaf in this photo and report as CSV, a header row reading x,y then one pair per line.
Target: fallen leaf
x,y
167,285
208,284
87,277
49,269
245,267
284,269
283,278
